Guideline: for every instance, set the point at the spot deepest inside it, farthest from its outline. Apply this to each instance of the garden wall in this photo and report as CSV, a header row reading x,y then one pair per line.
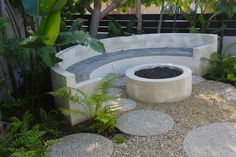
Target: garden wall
x,y
169,25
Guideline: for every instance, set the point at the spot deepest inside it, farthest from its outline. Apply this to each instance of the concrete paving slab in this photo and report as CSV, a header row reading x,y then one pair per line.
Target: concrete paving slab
x,y
229,93
213,140
145,123
82,145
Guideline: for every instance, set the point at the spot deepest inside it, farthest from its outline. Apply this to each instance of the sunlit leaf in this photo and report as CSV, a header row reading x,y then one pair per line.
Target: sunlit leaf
x,y
50,27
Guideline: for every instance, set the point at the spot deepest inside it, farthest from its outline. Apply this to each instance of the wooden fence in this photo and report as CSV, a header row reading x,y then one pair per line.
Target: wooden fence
x,y
150,23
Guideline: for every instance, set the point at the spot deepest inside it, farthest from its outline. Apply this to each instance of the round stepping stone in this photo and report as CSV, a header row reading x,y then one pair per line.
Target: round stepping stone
x,y
120,82
82,144
214,140
197,79
126,104
229,93
117,92
145,123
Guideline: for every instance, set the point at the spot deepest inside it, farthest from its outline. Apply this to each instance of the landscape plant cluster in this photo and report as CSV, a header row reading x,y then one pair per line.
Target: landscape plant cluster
x,y
29,121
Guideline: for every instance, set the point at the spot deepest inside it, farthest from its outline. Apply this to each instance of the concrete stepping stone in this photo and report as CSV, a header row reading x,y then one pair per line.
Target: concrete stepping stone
x,y
214,140
117,92
145,123
82,144
120,81
126,104
197,79
229,93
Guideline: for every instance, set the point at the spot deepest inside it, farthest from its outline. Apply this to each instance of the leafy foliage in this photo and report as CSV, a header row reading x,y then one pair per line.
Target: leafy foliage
x,y
102,117
80,37
42,7
24,140
119,139
115,29
223,65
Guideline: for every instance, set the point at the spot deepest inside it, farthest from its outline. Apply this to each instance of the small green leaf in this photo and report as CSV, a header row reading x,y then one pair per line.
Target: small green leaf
x,y
231,77
114,28
34,41
47,54
193,30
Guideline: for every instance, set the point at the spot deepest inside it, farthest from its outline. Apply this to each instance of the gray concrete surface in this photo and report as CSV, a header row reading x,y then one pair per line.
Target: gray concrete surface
x,y
229,93
213,140
145,123
82,145
84,68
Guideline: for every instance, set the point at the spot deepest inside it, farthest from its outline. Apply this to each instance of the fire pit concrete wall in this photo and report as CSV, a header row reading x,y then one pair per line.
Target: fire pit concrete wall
x,y
159,90
83,68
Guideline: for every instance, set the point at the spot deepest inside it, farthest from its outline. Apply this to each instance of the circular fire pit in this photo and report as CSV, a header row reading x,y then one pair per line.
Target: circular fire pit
x,y
159,83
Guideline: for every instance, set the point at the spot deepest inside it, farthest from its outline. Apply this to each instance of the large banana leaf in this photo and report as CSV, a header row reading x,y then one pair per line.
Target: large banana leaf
x,y
50,27
80,37
42,7
49,6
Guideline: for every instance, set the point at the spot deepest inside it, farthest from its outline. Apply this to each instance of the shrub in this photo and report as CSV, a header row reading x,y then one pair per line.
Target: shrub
x,y
102,117
222,65
23,140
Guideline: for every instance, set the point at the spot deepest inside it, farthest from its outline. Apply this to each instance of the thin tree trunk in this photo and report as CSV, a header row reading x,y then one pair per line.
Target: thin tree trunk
x,y
176,7
221,44
139,14
12,77
161,16
94,25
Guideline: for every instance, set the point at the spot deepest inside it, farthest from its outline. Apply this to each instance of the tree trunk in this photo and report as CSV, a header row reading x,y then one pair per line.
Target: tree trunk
x,y
176,7
161,16
95,20
139,14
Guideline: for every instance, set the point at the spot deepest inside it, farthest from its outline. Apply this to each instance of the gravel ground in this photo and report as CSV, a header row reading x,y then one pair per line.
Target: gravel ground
x,y
204,106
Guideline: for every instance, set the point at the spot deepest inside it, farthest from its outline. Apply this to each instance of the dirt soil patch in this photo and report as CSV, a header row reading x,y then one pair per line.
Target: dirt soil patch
x,y
158,73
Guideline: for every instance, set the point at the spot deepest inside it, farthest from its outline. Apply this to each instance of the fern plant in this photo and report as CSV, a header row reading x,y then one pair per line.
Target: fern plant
x,y
102,116
24,140
222,65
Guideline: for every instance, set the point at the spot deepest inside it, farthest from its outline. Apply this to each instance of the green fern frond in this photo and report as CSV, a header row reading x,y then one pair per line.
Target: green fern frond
x,y
68,112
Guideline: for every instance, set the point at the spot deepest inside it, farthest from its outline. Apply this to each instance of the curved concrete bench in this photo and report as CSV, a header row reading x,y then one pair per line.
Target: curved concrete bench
x,y
83,68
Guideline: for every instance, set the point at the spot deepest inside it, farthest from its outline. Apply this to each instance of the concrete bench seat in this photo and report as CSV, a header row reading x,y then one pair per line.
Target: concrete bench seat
x,y
83,69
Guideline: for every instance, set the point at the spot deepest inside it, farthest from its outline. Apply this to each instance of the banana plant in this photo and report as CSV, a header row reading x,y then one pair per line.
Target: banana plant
x,y
45,37
50,11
